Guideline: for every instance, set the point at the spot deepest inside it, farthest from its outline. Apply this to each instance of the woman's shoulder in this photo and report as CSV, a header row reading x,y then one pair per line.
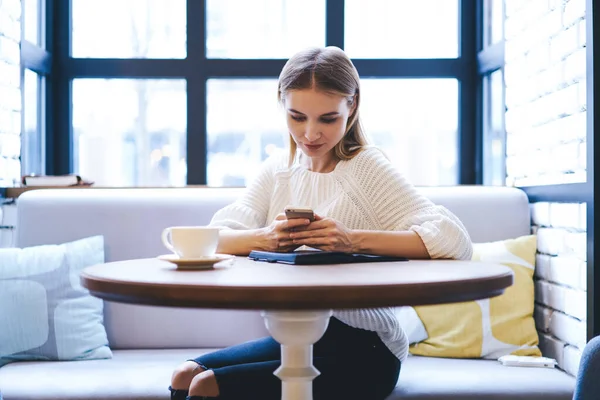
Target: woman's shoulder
x,y
370,157
372,170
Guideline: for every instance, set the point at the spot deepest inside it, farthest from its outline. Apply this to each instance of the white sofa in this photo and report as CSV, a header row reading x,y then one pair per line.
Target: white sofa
x,y
148,342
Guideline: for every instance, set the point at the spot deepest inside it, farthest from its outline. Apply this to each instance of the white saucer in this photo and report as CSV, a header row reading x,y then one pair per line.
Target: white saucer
x,y
207,262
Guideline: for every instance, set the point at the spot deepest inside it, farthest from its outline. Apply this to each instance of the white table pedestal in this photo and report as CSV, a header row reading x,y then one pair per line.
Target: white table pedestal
x,y
297,331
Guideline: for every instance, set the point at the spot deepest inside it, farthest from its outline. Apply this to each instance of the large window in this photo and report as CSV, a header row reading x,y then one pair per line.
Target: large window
x,y
415,121
493,22
137,29
32,137
122,134
402,28
491,69
177,92
35,69
244,125
494,140
263,28
32,22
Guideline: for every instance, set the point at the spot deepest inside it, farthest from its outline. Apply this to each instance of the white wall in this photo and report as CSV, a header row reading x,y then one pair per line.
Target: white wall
x,y
546,144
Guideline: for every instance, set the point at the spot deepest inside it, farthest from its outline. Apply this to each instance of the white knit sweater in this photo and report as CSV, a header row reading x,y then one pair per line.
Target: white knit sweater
x,y
366,192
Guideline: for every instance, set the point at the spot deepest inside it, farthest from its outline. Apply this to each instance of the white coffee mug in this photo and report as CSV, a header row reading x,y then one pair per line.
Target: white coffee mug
x,y
191,241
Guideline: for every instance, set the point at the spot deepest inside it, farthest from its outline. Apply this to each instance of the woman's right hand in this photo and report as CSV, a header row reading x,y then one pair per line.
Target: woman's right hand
x,y
276,237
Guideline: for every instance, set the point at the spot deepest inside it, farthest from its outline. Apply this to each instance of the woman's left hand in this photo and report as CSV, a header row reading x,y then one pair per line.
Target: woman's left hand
x,y
324,234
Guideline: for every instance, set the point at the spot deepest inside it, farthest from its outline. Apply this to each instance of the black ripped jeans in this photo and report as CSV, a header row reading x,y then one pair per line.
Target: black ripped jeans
x,y
354,364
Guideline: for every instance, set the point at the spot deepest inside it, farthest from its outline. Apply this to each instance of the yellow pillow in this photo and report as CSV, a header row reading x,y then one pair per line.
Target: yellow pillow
x,y
493,327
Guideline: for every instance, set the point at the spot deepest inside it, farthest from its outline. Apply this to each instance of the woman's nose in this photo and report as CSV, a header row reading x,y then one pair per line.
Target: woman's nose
x,y
312,133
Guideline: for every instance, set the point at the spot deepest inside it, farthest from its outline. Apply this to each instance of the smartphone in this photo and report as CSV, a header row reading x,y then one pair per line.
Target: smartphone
x,y
527,361
299,212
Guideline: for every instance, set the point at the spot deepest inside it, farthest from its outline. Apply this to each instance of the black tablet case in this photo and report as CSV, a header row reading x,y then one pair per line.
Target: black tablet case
x,y
311,257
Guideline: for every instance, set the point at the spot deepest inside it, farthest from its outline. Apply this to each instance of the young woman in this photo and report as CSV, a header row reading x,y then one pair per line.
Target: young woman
x,y
362,205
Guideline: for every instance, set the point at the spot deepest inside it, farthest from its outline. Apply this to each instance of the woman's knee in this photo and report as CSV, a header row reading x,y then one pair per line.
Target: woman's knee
x,y
204,384
587,385
184,374
591,355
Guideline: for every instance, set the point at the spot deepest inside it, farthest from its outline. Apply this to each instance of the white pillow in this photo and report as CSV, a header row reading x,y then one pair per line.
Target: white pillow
x,y
45,313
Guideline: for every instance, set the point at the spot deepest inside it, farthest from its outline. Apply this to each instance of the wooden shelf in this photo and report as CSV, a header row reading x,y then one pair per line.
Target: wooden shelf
x,y
14,192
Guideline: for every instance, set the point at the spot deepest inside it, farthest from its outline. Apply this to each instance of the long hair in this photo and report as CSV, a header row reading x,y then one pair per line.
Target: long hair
x,y
329,70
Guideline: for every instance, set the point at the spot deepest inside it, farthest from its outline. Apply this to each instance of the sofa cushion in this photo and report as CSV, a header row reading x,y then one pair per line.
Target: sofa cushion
x,y
468,379
146,374
488,328
45,313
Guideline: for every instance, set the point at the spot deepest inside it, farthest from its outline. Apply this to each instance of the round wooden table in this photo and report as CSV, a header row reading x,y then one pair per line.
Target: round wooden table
x,y
296,300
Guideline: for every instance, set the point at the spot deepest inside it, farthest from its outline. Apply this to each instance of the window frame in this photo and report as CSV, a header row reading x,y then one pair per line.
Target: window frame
x,y
490,58
593,148
491,167
38,60
196,68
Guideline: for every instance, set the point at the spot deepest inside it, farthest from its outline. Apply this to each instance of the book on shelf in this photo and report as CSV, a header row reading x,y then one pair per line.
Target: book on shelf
x,y
54,180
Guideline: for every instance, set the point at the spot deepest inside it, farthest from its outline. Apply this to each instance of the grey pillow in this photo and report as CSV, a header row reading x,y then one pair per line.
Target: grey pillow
x,y
45,313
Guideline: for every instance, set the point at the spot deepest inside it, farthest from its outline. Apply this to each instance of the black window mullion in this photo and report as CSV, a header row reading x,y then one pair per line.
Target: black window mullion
x,y
469,135
196,74
59,136
368,68
593,116
410,68
139,68
242,68
334,23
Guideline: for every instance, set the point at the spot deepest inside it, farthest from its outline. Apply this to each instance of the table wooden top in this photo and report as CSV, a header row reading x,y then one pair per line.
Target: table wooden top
x,y
246,284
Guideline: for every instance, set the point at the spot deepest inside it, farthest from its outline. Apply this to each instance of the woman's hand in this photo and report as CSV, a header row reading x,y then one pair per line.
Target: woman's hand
x,y
276,237
325,234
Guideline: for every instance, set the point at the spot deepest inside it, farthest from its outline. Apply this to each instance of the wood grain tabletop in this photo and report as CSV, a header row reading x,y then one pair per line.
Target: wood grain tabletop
x,y
245,284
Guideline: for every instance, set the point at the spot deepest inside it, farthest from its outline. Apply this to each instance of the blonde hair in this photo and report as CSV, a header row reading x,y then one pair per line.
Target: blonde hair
x,y
330,70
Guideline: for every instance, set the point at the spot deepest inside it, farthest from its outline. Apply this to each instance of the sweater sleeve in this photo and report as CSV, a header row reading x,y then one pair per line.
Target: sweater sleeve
x,y
397,205
375,319
251,209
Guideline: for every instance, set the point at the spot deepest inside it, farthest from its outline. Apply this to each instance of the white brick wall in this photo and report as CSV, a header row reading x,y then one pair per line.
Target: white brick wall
x,y
561,271
10,108
545,91
546,144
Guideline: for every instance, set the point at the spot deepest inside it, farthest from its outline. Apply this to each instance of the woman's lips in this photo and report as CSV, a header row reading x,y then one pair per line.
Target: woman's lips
x,y
313,146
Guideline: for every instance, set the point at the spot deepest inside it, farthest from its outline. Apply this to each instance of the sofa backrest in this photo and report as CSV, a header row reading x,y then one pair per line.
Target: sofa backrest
x,y
131,221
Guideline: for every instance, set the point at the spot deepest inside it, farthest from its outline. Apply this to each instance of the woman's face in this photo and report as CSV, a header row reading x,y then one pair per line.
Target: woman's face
x,y
316,120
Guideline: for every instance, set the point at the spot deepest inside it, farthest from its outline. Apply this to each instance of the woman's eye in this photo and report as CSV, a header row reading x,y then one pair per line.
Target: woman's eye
x,y
328,120
323,120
